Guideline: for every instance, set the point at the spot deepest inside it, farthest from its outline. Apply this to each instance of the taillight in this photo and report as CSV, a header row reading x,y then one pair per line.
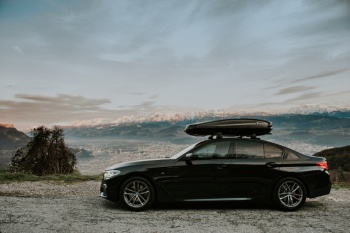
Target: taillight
x,y
323,165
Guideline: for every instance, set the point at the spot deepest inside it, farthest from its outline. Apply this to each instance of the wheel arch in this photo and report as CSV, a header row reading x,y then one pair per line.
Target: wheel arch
x,y
306,186
291,200
139,174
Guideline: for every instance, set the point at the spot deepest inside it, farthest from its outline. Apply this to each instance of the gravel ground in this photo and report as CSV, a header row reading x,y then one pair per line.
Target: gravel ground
x,y
53,207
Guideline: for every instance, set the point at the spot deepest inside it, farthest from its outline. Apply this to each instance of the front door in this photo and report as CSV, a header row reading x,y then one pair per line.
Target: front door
x,y
204,173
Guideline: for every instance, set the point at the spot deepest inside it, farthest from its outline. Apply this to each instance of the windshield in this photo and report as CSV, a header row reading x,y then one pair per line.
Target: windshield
x,y
184,151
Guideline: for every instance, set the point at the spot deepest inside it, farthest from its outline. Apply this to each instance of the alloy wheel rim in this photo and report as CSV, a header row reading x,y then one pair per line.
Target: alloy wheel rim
x,y
136,194
290,194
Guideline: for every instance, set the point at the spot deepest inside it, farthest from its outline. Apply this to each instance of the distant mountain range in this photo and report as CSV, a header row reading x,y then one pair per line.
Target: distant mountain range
x,y
329,128
311,124
10,140
174,117
308,109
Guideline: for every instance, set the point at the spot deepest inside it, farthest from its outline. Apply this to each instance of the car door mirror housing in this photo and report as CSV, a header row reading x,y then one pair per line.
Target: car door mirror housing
x,y
190,156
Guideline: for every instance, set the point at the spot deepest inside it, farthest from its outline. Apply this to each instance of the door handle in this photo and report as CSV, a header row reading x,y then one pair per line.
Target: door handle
x,y
221,166
271,164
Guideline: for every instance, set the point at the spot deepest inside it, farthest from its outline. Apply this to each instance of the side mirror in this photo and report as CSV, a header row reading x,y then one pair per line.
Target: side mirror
x,y
190,156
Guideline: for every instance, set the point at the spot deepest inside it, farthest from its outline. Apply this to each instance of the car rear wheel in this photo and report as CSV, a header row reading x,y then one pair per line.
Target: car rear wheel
x,y
290,194
137,193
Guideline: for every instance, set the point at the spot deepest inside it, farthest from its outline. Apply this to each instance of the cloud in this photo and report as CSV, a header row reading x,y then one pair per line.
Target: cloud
x,y
64,100
179,53
292,90
326,81
152,97
138,93
143,106
18,50
33,110
304,97
318,76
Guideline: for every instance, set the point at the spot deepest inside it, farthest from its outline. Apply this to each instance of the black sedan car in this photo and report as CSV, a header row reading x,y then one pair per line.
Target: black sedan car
x,y
222,169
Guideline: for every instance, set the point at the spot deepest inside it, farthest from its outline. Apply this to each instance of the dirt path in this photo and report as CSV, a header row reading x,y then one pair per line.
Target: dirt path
x,y
63,208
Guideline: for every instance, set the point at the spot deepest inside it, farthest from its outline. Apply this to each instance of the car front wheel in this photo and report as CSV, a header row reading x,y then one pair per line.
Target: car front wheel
x,y
137,193
290,194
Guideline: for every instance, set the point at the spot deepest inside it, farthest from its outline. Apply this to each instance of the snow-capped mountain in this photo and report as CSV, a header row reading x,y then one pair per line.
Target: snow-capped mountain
x,y
314,124
164,117
174,117
307,109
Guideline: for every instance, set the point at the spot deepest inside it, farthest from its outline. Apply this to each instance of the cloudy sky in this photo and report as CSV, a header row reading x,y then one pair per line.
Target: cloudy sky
x,y
69,60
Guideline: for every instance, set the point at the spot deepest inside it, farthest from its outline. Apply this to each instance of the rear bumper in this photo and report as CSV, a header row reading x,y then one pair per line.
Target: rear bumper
x,y
318,184
320,191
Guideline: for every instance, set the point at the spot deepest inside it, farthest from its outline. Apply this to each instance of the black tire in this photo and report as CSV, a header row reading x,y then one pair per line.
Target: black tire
x,y
137,193
289,194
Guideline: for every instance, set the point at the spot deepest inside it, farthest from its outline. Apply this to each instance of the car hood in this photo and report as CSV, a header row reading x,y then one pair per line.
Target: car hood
x,y
144,163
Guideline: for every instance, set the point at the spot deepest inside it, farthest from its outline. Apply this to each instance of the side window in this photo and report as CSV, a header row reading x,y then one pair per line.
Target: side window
x,y
218,149
272,151
249,149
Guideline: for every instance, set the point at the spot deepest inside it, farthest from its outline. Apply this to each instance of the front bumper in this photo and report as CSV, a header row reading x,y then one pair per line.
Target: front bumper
x,y
103,190
109,191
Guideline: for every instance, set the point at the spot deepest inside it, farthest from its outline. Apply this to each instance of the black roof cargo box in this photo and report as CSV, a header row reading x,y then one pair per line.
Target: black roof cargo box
x,y
230,127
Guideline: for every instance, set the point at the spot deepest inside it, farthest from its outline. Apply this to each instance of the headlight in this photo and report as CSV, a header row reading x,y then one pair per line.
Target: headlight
x,y
110,174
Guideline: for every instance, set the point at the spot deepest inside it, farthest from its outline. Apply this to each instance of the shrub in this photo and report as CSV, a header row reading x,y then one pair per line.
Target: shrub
x,y
46,153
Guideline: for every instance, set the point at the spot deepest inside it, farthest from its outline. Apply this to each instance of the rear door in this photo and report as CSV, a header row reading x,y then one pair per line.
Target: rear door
x,y
253,168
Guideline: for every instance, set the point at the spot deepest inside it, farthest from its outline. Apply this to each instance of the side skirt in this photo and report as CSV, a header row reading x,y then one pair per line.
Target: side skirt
x,y
218,199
